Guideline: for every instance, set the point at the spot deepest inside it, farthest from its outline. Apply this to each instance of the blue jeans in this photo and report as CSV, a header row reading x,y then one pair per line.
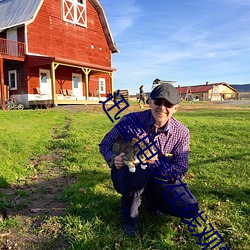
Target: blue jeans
x,y
157,196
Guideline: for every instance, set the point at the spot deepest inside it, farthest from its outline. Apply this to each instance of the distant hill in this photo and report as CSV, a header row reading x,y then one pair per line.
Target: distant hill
x,y
241,87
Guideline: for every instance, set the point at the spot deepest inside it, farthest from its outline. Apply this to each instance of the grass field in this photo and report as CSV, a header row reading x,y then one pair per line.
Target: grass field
x,y
64,142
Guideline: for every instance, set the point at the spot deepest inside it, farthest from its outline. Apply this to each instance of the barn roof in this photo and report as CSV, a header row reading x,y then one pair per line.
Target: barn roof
x,y
105,25
18,12
201,88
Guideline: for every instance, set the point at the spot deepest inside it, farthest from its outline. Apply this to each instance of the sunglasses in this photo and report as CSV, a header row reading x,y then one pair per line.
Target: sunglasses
x,y
159,102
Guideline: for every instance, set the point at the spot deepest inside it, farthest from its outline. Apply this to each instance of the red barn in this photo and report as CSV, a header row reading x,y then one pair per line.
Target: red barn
x,y
55,51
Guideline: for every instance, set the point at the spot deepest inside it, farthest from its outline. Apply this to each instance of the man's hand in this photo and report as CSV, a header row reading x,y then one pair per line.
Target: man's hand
x,y
152,160
119,161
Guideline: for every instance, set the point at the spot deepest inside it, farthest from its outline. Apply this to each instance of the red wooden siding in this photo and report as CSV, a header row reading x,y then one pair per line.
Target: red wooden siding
x,y
94,83
51,36
64,79
34,78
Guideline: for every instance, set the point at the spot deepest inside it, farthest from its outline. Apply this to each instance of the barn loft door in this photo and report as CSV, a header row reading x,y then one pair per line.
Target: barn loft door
x,y
74,11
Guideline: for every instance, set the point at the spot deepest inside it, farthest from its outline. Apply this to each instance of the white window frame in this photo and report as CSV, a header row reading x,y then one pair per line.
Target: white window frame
x,y
15,75
78,16
102,82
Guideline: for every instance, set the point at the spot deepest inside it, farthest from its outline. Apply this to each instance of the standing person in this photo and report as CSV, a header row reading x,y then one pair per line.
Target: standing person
x,y
156,83
115,95
171,137
142,98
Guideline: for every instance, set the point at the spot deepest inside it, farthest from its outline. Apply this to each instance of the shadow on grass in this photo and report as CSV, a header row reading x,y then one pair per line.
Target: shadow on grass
x,y
3,182
228,209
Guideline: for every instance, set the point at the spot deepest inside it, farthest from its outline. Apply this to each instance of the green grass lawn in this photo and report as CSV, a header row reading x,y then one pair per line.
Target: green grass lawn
x,y
218,176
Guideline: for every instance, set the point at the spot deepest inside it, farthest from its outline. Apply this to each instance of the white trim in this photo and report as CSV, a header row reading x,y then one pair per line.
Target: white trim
x,y
32,19
15,74
74,12
102,81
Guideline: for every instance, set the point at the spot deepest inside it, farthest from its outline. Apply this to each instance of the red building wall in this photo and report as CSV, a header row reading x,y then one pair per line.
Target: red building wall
x,y
33,78
94,83
63,77
49,35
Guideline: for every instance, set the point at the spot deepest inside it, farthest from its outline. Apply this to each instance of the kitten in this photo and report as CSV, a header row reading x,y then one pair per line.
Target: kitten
x,y
131,151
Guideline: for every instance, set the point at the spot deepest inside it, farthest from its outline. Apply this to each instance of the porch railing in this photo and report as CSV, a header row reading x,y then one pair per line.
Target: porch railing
x,y
12,48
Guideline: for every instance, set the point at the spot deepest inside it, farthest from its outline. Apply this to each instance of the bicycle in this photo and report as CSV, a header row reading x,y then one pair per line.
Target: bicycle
x,y
12,104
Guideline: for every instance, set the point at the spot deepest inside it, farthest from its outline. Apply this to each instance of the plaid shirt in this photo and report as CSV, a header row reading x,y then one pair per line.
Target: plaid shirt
x,y
173,140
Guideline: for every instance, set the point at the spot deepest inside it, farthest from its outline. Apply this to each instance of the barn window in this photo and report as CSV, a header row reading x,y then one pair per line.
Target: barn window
x,y
74,11
102,86
12,80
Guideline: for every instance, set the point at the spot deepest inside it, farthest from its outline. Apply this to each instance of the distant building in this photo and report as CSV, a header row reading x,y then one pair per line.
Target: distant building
x,y
207,92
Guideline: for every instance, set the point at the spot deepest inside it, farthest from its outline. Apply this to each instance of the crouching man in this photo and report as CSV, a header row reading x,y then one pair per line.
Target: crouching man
x,y
162,191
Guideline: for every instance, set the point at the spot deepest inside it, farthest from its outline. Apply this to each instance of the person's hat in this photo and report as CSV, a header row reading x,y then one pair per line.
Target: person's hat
x,y
156,81
166,91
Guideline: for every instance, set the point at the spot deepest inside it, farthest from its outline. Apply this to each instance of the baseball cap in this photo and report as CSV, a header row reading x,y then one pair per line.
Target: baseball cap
x,y
166,91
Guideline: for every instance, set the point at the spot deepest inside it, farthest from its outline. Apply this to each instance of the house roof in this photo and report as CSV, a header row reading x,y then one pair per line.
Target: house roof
x,y
201,88
17,12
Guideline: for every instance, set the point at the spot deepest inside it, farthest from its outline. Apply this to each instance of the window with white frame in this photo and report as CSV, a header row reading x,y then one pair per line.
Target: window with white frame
x,y
12,80
74,11
102,86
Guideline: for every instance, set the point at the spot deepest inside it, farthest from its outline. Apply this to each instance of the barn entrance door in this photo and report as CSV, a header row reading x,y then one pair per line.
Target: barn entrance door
x,y
12,45
45,84
77,85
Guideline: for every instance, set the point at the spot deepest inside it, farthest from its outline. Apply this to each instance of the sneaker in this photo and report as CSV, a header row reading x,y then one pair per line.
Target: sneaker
x,y
131,230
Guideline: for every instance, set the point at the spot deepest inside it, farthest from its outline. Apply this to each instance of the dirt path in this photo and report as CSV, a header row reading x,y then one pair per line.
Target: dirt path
x,y
33,206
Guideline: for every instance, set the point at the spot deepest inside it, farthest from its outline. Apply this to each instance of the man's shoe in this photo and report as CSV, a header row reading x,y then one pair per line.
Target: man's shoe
x,y
131,230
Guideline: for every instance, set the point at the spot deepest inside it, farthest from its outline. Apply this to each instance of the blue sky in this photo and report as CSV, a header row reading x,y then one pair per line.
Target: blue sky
x,y
188,41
